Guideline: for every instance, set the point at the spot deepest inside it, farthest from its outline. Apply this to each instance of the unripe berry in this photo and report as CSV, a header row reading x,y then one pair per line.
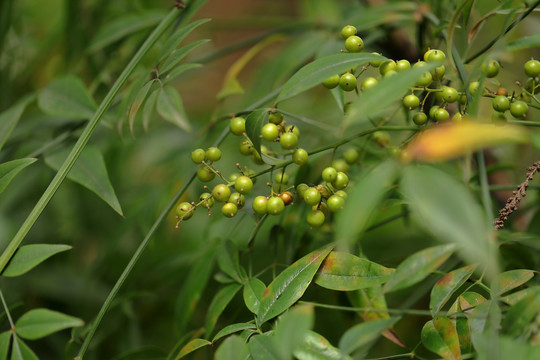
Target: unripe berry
x,y
386,66
329,174
347,82
519,109
259,205
350,156
281,178
245,148
277,118
490,68
238,199
213,154
354,44
348,31
208,200
532,68
402,65
500,103
275,205
238,125
204,173
229,209
420,118
221,193
368,83
411,101
198,156
270,132
184,210
342,181
340,165
315,218
243,185
301,189
381,138
312,196
331,82
300,157
288,140
335,203
450,94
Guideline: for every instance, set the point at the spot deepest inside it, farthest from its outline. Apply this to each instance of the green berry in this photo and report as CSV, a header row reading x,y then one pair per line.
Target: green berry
x,y
532,68
375,63
519,109
386,66
441,115
381,138
432,111
329,174
233,177
315,218
340,165
259,205
342,194
457,118
354,44
198,156
335,203
312,196
331,82
420,118
184,210
229,209
435,55
238,199
281,178
500,103
473,87
402,65
301,189
350,156
275,205
348,31
243,184
341,182
419,64
208,200
449,94
213,154
275,118
294,129
411,101
427,53
300,157
221,193
368,83
438,73
288,140
390,73
424,80
238,125
204,173
270,132
490,68
347,82
245,148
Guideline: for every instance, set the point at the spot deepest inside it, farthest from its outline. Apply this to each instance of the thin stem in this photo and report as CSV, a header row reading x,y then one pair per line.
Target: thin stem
x,y
83,140
484,184
6,309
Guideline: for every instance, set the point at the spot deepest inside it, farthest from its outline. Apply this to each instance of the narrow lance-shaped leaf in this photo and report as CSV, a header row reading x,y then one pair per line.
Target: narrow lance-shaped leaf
x,y
345,272
440,336
169,106
39,323
10,169
218,305
418,266
290,285
180,54
90,172
523,313
5,338
21,351
139,100
175,39
262,347
388,91
509,280
253,292
254,123
360,337
148,109
445,287
369,191
191,347
319,70
231,329
316,347
179,70
526,42
67,97
10,117
29,256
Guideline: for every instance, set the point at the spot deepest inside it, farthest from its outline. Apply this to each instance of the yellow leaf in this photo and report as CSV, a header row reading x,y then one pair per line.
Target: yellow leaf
x,y
450,140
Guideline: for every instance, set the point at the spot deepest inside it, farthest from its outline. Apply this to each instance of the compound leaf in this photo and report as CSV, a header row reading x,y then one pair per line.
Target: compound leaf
x,y
68,97
445,287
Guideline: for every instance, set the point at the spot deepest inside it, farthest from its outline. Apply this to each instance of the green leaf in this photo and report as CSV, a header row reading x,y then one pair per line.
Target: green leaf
x,y
316,347
10,169
292,328
362,336
469,300
179,70
261,347
513,298
67,97
21,351
345,272
388,91
418,266
512,279
148,108
316,72
123,27
169,106
178,55
369,191
367,18
220,301
520,315
29,256
464,335
175,39
192,290
39,323
440,336
139,100
191,347
228,261
525,42
5,339
10,117
89,171
504,347
253,292
254,123
234,347
452,215
231,329
445,287
290,285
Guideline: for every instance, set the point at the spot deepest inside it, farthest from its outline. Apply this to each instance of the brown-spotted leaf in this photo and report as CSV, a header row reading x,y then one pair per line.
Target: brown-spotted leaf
x,y
345,272
520,315
470,299
445,287
464,335
290,285
511,279
191,347
440,336
513,298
